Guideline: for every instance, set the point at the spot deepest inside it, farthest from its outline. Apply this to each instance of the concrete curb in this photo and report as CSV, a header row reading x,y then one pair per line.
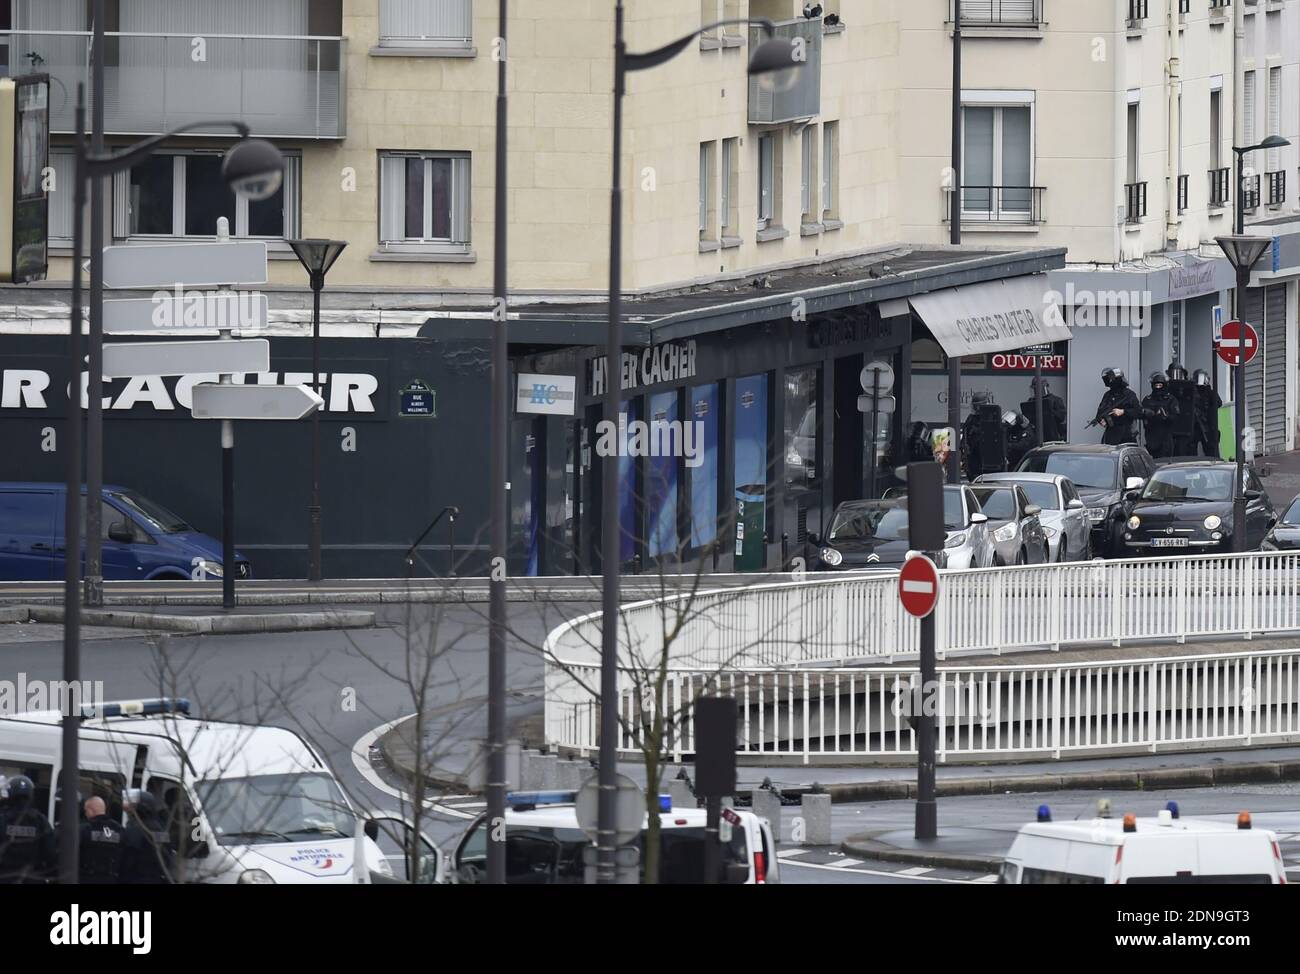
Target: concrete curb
x,y
209,624
865,846
15,613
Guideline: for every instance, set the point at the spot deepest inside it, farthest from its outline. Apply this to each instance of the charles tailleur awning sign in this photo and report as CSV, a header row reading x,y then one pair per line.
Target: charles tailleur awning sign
x,y
997,316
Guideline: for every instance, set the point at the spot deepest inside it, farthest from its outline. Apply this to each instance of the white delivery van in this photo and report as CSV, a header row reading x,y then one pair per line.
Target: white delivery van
x,y
544,844
242,803
1164,849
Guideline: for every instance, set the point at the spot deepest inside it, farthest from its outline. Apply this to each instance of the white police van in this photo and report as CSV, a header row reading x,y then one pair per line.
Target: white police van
x,y
1164,849
242,804
544,844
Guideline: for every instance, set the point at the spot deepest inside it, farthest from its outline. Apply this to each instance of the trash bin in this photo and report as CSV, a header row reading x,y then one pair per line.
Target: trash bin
x,y
751,528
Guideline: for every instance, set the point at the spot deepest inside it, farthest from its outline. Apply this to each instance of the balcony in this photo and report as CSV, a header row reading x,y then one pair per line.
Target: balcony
x,y
1277,188
1007,205
1137,11
285,86
804,98
1135,202
1001,13
1219,181
1250,193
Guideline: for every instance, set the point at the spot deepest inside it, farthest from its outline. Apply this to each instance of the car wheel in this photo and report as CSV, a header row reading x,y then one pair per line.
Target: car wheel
x,y
1021,557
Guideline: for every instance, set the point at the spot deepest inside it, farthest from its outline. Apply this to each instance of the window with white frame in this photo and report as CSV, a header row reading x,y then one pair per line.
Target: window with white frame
x,y
64,164
830,172
769,181
708,193
428,24
1248,109
424,201
808,183
180,193
729,174
1274,109
998,164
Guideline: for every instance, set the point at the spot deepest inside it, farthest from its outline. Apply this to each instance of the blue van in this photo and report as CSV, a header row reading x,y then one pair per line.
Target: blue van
x,y
141,538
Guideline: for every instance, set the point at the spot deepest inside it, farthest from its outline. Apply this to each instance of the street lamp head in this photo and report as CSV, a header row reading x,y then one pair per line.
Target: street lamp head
x,y
1243,251
1274,142
253,169
317,255
776,63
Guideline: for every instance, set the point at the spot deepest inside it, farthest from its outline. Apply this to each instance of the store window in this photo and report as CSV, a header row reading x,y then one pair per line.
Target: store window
x,y
704,476
629,536
801,422
751,462
661,477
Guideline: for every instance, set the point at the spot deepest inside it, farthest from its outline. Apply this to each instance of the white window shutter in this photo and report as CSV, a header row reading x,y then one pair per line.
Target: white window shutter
x,y
460,200
392,197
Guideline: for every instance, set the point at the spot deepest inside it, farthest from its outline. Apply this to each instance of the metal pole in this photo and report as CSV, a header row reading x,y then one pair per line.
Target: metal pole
x,y
954,418
712,839
1239,491
313,557
69,830
227,511
94,583
499,508
927,815
1239,222
954,224
875,421
1038,399
609,541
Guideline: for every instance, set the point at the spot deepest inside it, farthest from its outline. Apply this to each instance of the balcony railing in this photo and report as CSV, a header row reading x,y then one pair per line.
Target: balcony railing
x,y
1001,13
1277,187
1219,183
998,204
1182,193
1137,10
1250,193
279,85
804,99
1135,202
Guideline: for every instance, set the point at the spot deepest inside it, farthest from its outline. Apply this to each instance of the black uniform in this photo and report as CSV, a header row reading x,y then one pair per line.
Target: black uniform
x,y
1206,414
984,438
1183,431
1053,416
26,844
1159,417
147,855
1119,429
101,850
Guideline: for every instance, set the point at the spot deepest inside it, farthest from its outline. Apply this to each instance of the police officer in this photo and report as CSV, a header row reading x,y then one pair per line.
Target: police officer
x,y
1159,416
1184,427
101,845
147,855
1053,411
984,436
26,837
1119,408
1206,412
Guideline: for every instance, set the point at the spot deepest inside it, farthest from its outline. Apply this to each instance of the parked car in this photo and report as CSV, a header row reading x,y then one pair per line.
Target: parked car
x,y
141,538
1063,514
1285,535
1018,535
874,533
1101,473
1188,506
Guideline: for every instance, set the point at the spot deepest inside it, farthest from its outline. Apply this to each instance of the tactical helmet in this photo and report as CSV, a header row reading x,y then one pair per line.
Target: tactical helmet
x,y
142,801
1158,379
20,786
1109,375
1201,377
1176,372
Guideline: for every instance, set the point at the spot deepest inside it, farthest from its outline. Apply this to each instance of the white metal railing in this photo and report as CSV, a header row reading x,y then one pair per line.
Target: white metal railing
x,y
757,640
280,85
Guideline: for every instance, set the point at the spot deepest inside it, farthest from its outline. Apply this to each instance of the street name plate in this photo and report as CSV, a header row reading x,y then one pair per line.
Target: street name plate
x,y
213,401
124,359
187,264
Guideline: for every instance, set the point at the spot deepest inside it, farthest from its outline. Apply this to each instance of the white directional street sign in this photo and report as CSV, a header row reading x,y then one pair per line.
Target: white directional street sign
x,y
253,402
192,311
122,360
190,264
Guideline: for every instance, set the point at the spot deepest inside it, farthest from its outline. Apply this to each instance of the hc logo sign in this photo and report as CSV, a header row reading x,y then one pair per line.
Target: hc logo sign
x,y
543,394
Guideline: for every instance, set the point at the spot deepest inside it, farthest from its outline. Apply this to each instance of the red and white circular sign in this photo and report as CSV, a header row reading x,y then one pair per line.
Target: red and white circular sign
x,y
1239,344
918,586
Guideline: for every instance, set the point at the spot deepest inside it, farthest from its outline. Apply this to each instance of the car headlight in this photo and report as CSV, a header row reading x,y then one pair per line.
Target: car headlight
x,y
1097,513
211,568
1005,533
255,877
1212,522
792,458
831,556
1135,522
1050,532
955,541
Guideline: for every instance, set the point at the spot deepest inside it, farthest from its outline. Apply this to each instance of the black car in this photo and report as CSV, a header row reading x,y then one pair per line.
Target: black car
x,y
1285,535
874,534
1102,473
1187,507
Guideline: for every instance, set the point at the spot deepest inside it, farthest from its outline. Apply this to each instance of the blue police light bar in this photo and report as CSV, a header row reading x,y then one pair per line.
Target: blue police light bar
x,y
523,800
665,803
1044,813
138,708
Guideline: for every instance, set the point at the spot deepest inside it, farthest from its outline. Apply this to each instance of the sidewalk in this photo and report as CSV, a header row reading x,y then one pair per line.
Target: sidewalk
x,y
192,620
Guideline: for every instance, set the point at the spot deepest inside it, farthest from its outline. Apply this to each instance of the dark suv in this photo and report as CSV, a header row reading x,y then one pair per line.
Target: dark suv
x,y
1101,473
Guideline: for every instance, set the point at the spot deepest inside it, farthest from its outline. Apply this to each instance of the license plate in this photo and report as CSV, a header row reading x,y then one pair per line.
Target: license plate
x,y
1169,542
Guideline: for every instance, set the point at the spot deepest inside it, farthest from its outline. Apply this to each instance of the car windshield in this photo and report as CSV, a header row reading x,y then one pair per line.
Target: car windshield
x,y
157,515
1085,469
882,522
1292,515
999,503
275,808
1196,484
1042,493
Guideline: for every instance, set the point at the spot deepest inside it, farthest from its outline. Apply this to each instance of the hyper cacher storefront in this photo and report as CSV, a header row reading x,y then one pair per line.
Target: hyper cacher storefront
x,y
740,429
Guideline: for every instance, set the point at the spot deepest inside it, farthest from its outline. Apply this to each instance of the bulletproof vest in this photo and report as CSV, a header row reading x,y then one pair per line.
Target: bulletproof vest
x,y
1185,392
20,837
992,437
101,849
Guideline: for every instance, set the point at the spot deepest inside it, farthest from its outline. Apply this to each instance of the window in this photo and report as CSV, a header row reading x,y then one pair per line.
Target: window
x,y
830,171
428,24
998,161
1132,142
709,15
63,162
704,476
1274,112
182,194
1248,113
424,201
1216,127
766,180
730,177
708,207
808,175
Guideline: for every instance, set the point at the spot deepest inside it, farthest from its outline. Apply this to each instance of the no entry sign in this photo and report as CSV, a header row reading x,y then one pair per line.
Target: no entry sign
x,y
1239,344
918,586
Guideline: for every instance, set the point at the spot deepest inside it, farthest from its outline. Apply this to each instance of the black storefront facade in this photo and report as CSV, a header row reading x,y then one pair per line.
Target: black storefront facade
x,y
756,399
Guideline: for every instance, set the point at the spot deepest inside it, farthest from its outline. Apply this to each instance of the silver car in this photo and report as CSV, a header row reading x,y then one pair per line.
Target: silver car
x,y
1018,535
969,542
1063,514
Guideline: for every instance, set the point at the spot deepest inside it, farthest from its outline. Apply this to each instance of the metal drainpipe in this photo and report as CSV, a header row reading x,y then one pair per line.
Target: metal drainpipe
x,y
1173,79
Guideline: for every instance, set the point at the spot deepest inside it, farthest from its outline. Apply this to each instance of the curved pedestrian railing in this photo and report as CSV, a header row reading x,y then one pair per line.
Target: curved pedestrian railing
x,y
774,646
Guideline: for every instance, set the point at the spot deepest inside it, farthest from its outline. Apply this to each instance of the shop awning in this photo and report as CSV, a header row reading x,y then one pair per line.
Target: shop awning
x,y
997,316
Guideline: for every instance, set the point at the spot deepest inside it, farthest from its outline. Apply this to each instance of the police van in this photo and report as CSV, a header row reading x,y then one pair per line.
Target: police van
x,y
1164,849
544,844
242,803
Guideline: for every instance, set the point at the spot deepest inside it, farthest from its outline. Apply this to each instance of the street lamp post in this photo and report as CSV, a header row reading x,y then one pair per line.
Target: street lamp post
x,y
1242,252
1272,142
317,257
253,169
773,55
